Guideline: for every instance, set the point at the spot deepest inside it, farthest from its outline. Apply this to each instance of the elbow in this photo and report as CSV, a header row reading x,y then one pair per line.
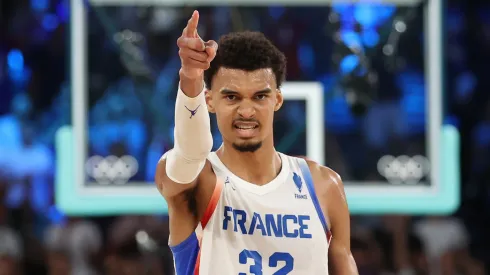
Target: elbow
x,y
196,150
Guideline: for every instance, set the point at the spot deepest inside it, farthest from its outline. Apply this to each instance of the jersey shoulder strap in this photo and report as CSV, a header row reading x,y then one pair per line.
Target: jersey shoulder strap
x,y
305,171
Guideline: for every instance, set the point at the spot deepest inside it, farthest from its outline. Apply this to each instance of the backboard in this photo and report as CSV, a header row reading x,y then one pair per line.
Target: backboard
x,y
420,184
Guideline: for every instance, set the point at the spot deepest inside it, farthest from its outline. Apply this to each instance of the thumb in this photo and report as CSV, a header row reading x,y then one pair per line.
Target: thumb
x,y
211,49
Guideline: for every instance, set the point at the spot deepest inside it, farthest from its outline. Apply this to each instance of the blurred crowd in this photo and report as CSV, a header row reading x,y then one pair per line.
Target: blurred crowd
x,y
374,105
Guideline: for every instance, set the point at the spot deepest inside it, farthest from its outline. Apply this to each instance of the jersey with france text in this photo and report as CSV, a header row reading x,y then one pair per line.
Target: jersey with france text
x,y
273,229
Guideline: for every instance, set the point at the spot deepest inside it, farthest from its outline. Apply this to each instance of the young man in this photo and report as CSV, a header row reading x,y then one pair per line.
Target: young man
x,y
261,212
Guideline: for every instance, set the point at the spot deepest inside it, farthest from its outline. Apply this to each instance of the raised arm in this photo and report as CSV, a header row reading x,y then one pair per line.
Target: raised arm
x,y
180,169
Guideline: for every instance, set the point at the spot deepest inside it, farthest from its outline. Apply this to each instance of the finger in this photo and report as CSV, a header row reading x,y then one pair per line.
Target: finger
x,y
191,43
191,29
192,54
188,63
211,49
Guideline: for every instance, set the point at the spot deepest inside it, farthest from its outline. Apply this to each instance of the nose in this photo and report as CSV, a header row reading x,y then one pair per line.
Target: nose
x,y
246,109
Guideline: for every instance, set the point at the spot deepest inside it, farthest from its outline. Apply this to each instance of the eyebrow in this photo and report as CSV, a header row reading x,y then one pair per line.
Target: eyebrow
x,y
231,92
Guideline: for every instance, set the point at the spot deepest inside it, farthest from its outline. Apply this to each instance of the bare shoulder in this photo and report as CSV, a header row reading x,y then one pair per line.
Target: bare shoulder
x,y
331,195
325,179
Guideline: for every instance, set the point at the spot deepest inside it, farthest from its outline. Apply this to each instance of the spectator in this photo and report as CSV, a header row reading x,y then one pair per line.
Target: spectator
x,y
73,247
136,244
11,252
447,243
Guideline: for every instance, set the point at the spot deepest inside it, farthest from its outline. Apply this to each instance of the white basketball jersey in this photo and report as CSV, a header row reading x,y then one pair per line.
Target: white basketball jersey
x,y
274,229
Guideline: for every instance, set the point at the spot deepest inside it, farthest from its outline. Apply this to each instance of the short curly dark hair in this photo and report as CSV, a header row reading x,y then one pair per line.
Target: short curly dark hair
x,y
248,51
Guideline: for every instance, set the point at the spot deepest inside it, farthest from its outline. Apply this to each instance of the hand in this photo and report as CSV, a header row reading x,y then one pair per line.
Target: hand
x,y
195,54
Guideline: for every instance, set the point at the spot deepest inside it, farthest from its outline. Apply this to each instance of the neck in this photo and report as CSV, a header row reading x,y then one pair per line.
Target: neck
x,y
259,167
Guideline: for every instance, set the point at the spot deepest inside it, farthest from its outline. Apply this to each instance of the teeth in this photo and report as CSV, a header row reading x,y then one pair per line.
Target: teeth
x,y
245,127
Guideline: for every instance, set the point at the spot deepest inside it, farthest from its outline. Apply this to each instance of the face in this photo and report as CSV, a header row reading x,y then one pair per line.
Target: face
x,y
244,104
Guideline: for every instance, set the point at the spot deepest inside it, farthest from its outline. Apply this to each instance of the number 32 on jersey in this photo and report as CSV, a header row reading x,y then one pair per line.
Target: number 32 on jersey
x,y
275,260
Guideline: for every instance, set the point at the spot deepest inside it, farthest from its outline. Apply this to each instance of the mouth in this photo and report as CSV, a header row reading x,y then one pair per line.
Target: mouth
x,y
246,130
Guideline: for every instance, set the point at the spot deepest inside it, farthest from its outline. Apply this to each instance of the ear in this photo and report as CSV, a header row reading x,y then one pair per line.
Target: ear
x,y
209,101
279,100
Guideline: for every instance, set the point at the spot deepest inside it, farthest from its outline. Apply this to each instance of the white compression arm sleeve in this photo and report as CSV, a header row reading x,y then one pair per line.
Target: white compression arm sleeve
x,y
193,139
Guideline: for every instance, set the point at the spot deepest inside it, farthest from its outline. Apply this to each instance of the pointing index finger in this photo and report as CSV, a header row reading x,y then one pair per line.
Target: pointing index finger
x,y
191,29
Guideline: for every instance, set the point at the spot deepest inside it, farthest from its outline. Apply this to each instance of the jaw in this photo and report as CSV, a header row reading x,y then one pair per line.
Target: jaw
x,y
247,147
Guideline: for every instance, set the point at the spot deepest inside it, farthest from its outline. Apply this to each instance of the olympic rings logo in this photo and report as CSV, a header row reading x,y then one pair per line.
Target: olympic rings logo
x,y
111,169
403,169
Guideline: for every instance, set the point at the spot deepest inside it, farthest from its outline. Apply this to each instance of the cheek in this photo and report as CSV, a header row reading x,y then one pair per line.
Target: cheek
x,y
224,119
268,111
266,117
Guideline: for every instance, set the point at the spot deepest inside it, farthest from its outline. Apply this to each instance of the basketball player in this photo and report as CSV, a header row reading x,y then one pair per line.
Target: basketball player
x,y
261,212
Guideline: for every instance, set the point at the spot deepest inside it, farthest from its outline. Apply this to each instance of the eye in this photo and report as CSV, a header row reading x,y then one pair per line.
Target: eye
x,y
261,97
231,97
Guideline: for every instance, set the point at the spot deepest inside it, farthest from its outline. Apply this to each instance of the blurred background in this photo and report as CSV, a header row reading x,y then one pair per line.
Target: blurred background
x,y
369,56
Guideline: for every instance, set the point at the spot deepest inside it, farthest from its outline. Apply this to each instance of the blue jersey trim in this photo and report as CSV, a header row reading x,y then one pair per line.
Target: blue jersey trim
x,y
185,255
305,170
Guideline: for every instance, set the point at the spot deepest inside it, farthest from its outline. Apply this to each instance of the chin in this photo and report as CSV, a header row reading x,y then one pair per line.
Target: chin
x,y
247,146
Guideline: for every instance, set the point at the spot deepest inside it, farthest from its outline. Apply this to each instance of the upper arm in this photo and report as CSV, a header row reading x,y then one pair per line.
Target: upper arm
x,y
202,186
186,202
167,187
341,261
